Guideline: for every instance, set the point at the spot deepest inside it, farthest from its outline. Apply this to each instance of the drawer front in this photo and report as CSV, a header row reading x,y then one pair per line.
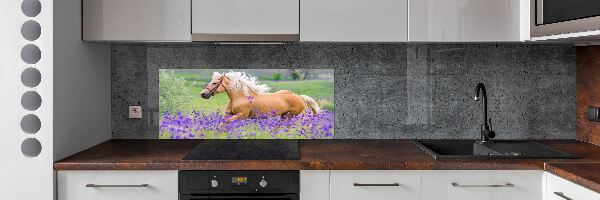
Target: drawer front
x,y
376,185
117,185
482,185
314,185
560,189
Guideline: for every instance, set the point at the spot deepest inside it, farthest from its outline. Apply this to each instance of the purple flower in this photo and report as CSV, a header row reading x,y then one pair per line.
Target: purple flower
x,y
199,124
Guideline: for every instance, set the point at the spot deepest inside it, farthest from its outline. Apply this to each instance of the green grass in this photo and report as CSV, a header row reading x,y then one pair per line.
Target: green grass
x,y
321,90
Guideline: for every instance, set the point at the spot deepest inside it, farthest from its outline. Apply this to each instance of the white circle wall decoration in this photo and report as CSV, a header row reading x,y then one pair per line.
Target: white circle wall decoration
x,y
31,30
31,8
31,100
30,124
31,147
31,54
31,77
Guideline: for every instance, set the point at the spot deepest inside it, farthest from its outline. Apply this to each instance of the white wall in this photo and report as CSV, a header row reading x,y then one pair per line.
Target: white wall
x,y
21,177
81,85
82,109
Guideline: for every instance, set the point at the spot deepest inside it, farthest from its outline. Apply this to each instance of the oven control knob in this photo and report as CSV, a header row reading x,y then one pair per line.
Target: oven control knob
x,y
214,183
263,183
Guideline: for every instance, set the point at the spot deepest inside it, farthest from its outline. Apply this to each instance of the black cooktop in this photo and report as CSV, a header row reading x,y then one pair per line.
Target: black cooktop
x,y
245,150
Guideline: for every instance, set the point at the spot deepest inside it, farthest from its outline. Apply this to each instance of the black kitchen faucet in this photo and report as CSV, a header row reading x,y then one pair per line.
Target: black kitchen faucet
x,y
486,128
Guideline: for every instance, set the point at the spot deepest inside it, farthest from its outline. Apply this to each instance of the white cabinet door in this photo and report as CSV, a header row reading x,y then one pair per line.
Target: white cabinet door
x,y
482,185
117,185
560,189
353,20
375,185
245,17
136,20
314,185
468,20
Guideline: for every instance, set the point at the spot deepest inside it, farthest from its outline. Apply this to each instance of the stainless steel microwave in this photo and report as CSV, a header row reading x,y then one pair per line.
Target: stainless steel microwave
x,y
554,17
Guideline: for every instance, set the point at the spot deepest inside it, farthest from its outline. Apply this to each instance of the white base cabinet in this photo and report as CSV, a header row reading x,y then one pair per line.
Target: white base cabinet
x,y
482,185
422,185
560,189
314,184
117,185
376,185
341,185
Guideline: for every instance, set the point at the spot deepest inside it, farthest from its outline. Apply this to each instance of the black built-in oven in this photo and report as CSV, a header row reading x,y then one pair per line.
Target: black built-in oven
x,y
234,185
552,17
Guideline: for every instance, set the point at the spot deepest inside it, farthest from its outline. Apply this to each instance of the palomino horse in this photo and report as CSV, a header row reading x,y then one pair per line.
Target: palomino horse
x,y
248,99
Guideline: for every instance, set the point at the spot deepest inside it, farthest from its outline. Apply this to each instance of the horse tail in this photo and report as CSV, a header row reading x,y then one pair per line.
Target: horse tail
x,y
311,103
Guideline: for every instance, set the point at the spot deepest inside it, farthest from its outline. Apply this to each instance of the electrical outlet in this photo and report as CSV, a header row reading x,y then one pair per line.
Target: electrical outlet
x,y
135,112
593,114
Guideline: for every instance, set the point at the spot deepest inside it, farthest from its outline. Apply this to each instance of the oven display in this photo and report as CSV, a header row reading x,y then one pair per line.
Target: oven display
x,y
239,181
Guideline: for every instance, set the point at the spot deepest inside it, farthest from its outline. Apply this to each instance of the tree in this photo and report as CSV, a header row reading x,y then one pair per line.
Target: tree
x,y
297,74
173,95
306,74
277,76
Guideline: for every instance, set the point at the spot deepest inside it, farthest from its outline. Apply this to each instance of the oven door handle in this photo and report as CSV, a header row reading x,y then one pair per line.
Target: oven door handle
x,y
192,197
245,196
291,197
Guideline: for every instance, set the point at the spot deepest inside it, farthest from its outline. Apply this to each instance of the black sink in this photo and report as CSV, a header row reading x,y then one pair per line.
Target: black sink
x,y
471,149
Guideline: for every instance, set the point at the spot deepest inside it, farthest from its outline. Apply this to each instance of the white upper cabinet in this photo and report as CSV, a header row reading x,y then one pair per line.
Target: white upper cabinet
x,y
136,20
353,20
468,20
307,20
245,20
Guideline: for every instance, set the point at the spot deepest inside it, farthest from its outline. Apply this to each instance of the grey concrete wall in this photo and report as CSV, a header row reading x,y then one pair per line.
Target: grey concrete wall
x,y
382,90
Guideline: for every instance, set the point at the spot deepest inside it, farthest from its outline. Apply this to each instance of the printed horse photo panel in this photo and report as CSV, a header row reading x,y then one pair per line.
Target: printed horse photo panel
x,y
246,103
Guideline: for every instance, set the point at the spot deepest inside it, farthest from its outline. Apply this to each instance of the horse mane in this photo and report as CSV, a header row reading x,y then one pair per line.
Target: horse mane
x,y
242,82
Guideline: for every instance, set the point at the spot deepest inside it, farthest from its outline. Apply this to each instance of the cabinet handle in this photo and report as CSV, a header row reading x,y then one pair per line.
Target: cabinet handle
x,y
492,185
376,184
560,194
114,186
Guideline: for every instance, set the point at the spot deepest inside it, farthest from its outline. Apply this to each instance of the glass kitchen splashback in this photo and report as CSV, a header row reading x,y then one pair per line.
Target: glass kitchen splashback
x,y
246,103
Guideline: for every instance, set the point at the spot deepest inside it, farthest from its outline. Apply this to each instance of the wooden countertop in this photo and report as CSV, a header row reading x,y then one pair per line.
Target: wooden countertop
x,y
584,174
331,155
314,154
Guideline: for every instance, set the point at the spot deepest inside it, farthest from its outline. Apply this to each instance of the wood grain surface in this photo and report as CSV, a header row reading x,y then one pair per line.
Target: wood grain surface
x,y
314,154
588,92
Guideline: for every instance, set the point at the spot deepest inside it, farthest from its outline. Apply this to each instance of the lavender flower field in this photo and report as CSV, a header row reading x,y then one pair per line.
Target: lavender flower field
x,y
208,103
200,125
